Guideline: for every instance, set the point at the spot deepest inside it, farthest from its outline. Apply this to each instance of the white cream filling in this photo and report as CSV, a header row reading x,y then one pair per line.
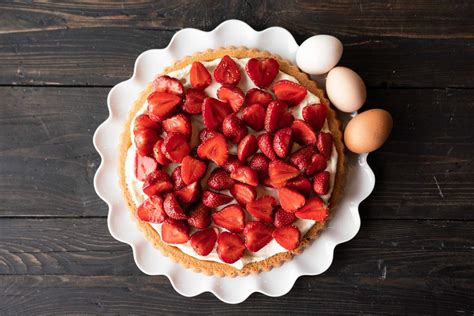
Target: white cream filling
x,y
272,248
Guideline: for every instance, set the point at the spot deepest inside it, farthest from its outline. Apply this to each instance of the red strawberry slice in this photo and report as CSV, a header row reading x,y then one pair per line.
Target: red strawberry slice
x,y
259,163
227,72
233,128
151,210
280,172
143,122
247,147
199,76
193,101
265,144
276,115
214,199
157,182
231,217
162,104
301,158
324,144
178,181
158,154
232,163
290,200
214,149
219,179
172,207
232,95
300,184
175,147
315,115
321,183
245,175
282,142
192,169
288,237
303,133
144,141
203,241
262,208
178,124
200,216
262,71
257,235
230,247
289,91
214,112
174,232
207,133
144,166
169,85
261,97
243,193
286,120
189,193
254,116
318,163
283,218
314,209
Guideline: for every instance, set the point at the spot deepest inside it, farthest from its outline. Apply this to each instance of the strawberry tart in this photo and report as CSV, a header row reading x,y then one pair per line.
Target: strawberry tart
x,y
231,161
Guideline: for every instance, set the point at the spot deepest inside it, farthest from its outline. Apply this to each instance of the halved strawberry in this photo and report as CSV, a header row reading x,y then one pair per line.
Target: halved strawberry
x,y
318,163
232,163
200,216
144,166
246,175
162,104
230,247
172,207
259,163
203,241
214,112
199,76
175,147
207,133
290,200
157,182
280,172
257,235
227,71
314,209
247,147
289,91
277,115
231,217
192,169
301,158
265,144
262,208
321,183
213,199
261,97
243,193
177,178
232,95
324,144
190,193
303,133
283,218
254,116
174,232
143,122
282,142
144,141
214,149
288,237
300,184
193,101
167,84
262,71
151,210
233,128
219,179
179,123
158,154
315,115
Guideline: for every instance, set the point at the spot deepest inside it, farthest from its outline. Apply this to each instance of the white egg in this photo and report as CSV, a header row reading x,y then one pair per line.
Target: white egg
x,y
345,89
319,54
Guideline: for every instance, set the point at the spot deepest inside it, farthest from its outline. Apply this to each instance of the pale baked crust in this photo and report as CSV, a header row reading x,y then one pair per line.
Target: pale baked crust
x,y
215,268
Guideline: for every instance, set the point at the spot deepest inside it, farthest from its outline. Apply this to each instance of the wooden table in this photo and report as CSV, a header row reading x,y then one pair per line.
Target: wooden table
x,y
415,250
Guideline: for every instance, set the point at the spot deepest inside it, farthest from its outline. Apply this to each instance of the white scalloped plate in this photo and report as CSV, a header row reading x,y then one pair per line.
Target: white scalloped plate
x,y
314,260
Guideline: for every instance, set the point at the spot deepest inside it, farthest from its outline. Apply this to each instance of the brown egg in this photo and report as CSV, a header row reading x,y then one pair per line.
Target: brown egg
x,y
368,131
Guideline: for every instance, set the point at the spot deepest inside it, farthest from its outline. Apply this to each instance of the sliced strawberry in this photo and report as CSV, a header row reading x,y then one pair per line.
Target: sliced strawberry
x,y
262,71
151,210
156,183
162,104
175,147
232,163
172,207
303,133
265,144
144,141
289,91
261,97
214,149
199,76
203,241
300,184
143,122
227,72
324,144
286,120
174,232
232,95
214,112
290,200
213,199
276,111
192,169
144,166
318,163
247,147
257,235
283,141
190,193
231,217
254,116
207,133
193,101
179,123
259,163
245,175
283,218
219,179
288,237
178,181
243,193
158,154
315,115
301,158
233,128
200,216
230,247
262,208
280,172
321,183
169,85
314,209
